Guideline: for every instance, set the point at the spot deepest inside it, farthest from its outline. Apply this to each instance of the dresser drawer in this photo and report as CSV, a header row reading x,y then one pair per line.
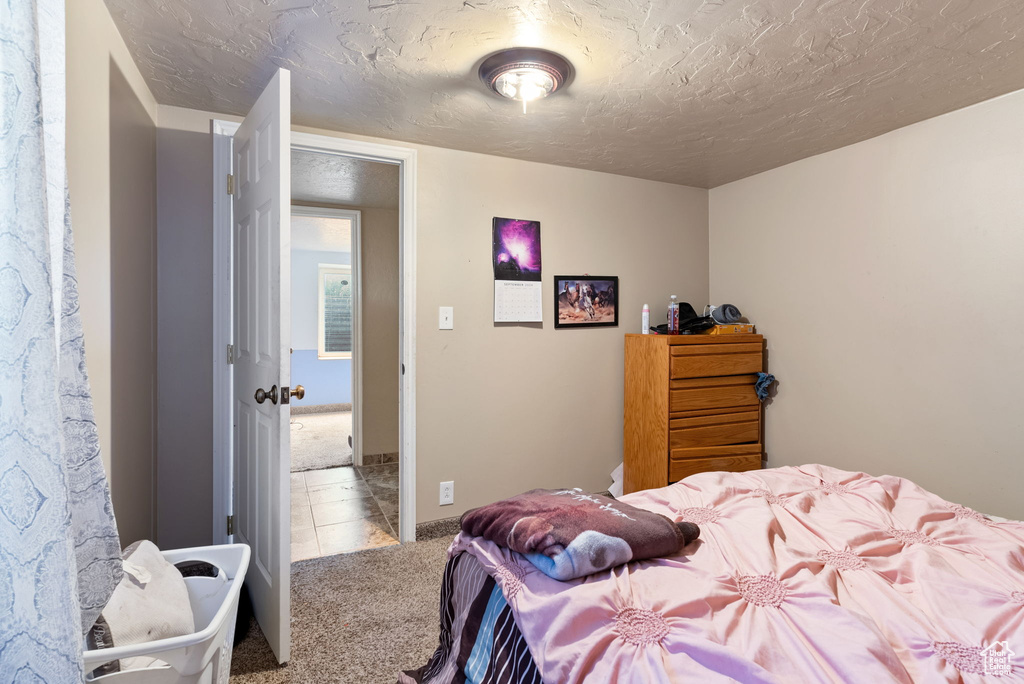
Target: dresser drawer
x,y
707,360
689,406
718,429
686,462
693,394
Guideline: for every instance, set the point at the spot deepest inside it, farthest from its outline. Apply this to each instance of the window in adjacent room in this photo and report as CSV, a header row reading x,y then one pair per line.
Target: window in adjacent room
x,y
335,311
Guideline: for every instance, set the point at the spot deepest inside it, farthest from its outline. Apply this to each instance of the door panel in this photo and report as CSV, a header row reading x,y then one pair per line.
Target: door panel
x,y
261,236
243,419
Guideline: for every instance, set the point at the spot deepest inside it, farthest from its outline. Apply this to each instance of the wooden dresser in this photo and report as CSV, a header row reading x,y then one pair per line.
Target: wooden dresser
x,y
690,407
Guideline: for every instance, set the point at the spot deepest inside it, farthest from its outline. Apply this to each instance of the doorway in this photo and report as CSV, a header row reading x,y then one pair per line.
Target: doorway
x,y
345,429
403,519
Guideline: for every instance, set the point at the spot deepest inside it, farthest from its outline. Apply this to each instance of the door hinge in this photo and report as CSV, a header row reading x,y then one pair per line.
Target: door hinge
x,y
231,524
231,184
231,354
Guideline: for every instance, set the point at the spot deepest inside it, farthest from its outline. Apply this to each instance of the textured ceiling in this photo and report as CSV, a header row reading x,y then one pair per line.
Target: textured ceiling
x,y
698,92
333,179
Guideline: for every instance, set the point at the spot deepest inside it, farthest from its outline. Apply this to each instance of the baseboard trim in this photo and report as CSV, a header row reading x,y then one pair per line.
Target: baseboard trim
x,y
380,459
435,529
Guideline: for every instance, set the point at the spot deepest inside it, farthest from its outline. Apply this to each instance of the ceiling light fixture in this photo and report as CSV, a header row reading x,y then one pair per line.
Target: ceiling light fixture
x,y
525,74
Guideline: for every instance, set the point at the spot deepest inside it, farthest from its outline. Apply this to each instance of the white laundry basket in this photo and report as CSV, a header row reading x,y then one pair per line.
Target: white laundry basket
x,y
203,657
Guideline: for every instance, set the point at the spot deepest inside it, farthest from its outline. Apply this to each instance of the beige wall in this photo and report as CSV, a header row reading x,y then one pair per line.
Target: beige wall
x,y
95,51
887,277
133,313
379,259
501,409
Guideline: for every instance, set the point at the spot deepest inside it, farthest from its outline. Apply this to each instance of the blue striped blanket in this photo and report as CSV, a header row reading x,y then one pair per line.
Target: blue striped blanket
x,y
480,642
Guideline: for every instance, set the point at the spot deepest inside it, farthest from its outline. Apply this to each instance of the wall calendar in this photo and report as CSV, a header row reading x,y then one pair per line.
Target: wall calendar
x,y
515,247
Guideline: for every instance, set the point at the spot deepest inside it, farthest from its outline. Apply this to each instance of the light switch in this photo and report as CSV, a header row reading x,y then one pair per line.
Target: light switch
x,y
446,318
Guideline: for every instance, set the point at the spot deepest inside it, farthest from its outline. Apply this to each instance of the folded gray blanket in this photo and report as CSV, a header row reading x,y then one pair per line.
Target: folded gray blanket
x,y
567,533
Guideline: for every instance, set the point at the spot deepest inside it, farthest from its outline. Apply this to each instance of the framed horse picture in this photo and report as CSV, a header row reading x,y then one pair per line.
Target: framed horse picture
x,y
586,301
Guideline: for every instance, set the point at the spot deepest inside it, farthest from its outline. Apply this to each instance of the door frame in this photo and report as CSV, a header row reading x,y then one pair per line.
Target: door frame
x,y
405,159
355,216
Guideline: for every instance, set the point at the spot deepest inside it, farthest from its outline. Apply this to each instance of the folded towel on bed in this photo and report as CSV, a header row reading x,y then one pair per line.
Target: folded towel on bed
x,y
567,533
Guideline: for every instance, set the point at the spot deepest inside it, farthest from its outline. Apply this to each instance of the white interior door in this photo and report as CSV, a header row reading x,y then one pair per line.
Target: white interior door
x,y
262,292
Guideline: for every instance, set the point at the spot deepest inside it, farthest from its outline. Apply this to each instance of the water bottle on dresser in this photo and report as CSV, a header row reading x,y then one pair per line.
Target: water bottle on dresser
x,y
673,316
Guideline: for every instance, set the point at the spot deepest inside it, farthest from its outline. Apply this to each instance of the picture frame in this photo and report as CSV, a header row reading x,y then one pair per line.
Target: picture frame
x,y
586,301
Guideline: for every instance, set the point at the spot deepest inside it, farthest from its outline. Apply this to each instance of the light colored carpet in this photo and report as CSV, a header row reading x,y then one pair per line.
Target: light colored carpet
x,y
320,440
359,618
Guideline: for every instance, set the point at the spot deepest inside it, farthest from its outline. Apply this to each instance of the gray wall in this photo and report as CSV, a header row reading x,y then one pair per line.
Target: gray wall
x,y
133,310
185,299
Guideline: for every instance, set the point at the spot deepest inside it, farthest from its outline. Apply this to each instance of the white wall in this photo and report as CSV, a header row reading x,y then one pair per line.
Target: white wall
x,y
326,381
888,278
499,406
305,293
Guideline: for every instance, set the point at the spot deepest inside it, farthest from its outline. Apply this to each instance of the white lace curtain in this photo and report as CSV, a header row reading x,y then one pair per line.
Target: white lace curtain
x,y
59,550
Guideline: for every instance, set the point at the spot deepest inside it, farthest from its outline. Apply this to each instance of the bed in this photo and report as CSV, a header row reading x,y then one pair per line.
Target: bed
x,y
801,574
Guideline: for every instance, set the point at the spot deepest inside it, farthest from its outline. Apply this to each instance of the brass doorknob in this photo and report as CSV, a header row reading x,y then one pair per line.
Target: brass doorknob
x,y
299,392
262,395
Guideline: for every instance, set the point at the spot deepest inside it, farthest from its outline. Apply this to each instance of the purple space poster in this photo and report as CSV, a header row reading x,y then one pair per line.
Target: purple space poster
x,y
515,245
515,253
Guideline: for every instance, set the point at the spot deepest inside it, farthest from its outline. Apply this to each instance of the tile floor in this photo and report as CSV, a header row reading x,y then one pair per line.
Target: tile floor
x,y
340,510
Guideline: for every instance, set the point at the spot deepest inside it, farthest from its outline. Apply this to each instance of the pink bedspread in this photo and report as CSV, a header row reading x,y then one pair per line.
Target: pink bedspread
x,y
806,574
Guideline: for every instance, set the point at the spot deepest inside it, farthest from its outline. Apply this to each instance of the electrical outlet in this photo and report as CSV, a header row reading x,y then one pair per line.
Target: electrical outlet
x,y
447,493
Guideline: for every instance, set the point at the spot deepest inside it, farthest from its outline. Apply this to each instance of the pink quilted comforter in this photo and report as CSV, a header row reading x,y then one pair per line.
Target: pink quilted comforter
x,y
805,574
